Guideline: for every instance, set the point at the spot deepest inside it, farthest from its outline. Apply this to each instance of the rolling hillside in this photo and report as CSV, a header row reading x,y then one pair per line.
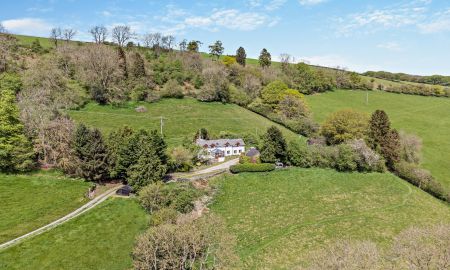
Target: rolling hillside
x,y
181,118
47,44
428,117
281,217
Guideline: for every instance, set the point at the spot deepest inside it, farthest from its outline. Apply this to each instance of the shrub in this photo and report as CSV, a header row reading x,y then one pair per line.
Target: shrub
x,y
172,90
273,92
181,159
345,160
252,167
300,155
410,148
178,196
164,216
238,96
422,179
366,159
345,125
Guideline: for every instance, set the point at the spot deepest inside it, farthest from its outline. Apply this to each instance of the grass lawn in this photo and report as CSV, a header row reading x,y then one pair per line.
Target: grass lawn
x,y
182,117
28,202
427,117
280,217
102,238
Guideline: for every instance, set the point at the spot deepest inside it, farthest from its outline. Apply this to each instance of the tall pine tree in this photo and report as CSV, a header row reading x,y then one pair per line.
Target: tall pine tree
x,y
241,56
16,152
383,139
122,62
265,59
92,153
274,147
151,163
137,68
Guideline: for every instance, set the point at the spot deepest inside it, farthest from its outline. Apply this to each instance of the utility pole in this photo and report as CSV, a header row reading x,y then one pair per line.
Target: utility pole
x,y
367,97
161,126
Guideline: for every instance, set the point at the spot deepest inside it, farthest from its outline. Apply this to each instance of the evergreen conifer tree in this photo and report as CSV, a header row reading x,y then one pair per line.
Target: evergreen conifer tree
x,y
274,146
92,153
16,152
265,59
241,56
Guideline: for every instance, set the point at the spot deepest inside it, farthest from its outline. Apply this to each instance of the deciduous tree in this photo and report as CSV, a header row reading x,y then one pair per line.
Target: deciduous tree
x,y
55,35
99,33
68,34
121,34
216,49
345,125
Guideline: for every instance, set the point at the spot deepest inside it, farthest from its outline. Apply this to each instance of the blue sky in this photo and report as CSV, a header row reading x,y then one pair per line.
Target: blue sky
x,y
398,36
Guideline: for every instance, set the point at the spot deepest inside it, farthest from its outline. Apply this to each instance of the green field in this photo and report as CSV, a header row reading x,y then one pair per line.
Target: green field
x,y
102,238
182,117
427,117
280,217
28,202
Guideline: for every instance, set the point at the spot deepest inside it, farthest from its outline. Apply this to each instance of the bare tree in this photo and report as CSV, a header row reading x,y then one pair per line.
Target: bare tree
x,y
68,34
285,60
99,33
55,35
170,42
423,248
199,244
347,255
153,40
121,34
183,45
2,29
98,68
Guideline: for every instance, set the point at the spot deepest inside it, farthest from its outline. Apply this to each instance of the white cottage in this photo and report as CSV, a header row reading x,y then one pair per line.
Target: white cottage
x,y
221,148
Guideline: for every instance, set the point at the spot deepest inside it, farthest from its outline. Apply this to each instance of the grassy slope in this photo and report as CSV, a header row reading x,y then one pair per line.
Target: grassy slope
x,y
427,117
182,117
280,217
99,239
28,202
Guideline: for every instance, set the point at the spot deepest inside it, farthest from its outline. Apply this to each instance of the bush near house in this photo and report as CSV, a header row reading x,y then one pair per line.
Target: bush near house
x,y
252,167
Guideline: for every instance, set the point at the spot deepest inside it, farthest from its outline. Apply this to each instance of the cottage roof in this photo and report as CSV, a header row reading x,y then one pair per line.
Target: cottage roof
x,y
220,143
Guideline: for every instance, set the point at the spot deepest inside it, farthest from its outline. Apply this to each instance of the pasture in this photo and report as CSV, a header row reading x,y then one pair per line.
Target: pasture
x,y
427,117
30,201
181,118
102,238
282,216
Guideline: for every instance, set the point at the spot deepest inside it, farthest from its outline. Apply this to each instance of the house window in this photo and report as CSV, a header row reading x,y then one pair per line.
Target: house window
x,y
235,151
228,152
240,151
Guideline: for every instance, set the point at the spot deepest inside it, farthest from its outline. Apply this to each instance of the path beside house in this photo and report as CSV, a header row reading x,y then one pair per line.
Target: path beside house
x,y
222,166
91,204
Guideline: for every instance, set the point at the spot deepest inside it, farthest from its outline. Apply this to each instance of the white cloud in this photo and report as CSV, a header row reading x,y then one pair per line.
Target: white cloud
x,y
310,2
28,26
390,46
275,4
439,22
396,16
230,19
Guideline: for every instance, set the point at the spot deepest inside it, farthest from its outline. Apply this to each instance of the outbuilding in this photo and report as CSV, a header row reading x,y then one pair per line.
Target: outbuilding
x,y
124,191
